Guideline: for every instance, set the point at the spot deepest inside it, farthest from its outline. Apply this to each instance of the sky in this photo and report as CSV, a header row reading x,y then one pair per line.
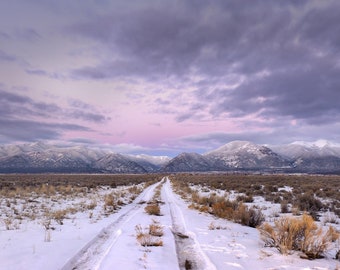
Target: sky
x,y
164,77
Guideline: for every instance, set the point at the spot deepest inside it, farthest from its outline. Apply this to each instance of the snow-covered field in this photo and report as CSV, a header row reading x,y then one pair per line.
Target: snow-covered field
x,y
100,238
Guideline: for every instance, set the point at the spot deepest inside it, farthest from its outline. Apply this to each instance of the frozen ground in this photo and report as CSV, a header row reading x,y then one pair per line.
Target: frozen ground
x,y
190,241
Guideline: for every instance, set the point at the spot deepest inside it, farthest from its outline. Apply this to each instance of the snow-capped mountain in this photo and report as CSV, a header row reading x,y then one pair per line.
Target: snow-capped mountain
x,y
40,157
300,149
16,149
156,160
319,156
150,163
245,155
117,163
187,162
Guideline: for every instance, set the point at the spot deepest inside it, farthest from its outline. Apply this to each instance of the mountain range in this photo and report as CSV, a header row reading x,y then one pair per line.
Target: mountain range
x,y
297,157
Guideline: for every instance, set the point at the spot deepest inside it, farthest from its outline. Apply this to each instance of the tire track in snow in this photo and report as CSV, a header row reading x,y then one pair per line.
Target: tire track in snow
x,y
189,251
92,255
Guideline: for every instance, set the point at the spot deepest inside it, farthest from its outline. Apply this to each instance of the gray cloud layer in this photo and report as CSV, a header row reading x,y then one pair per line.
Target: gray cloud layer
x,y
267,64
287,53
23,119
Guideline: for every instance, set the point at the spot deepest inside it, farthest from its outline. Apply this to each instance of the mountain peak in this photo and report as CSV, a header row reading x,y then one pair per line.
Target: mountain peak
x,y
234,146
244,154
316,144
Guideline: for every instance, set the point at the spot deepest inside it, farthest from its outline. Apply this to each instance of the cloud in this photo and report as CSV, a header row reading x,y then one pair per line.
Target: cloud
x,y
205,142
288,58
28,34
6,57
29,130
15,105
308,94
40,72
172,39
26,119
87,116
268,69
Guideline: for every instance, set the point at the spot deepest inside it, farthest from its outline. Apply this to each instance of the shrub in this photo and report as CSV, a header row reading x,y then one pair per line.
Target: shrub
x,y
145,239
92,205
134,190
284,207
153,209
110,202
155,229
307,202
248,216
245,198
59,216
223,209
10,223
301,234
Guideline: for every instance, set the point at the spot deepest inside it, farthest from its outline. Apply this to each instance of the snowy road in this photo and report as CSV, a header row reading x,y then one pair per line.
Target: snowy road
x,y
116,244
95,253
189,250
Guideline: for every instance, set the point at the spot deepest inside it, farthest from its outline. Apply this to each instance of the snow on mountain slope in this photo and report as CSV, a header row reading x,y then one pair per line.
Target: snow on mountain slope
x,y
156,160
243,154
150,163
300,149
117,163
187,162
319,156
41,157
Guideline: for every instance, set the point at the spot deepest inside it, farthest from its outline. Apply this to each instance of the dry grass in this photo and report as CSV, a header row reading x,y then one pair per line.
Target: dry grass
x,y
153,206
10,223
24,198
59,215
248,216
153,209
146,239
156,229
300,234
110,203
306,194
221,206
92,205
72,182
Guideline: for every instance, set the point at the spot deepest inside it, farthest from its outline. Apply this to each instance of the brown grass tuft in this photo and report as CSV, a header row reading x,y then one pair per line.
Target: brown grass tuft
x,y
155,229
153,209
145,239
300,234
